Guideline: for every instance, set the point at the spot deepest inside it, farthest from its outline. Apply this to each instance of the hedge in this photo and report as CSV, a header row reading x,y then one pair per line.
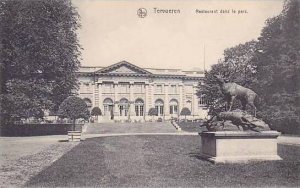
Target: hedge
x,y
37,129
286,128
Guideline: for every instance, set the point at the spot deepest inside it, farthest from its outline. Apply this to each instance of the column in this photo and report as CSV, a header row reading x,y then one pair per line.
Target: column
x,y
152,90
195,101
146,106
96,94
100,96
180,105
166,101
100,100
116,106
131,99
92,90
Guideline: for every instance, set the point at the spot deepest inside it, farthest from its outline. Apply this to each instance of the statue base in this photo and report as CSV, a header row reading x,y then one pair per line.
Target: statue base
x,y
239,146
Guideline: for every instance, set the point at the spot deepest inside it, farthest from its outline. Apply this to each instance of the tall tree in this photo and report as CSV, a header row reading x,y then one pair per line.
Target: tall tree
x,y
39,55
278,66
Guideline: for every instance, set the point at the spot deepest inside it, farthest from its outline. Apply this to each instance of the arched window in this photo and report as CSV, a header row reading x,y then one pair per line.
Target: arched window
x,y
202,101
139,107
107,106
173,106
88,102
159,105
123,107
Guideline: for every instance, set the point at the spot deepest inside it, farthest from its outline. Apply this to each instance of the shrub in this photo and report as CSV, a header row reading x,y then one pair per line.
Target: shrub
x,y
36,129
185,112
153,112
96,111
74,108
159,119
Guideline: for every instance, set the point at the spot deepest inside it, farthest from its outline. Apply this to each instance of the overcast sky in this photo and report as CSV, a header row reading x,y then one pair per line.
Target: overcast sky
x,y
111,31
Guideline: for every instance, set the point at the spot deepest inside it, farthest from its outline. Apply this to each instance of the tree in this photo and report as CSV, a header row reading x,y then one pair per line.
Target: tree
x,y
185,112
39,55
153,112
74,108
96,111
278,67
237,66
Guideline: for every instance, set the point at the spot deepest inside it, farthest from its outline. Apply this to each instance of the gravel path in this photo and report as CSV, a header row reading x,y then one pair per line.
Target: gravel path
x,y
13,148
17,172
161,161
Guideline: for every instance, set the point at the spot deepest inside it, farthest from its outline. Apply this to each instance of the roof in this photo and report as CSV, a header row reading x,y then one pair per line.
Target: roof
x,y
125,68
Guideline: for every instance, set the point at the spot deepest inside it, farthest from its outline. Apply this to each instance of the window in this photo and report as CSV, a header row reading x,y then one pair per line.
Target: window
x,y
85,88
123,107
88,102
189,89
202,101
108,88
88,88
138,88
108,106
124,88
173,89
158,89
159,106
173,106
139,107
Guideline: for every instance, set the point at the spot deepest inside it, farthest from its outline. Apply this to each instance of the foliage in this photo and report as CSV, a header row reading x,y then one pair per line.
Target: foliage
x,y
74,108
96,111
270,67
235,67
39,55
35,129
152,112
278,67
185,112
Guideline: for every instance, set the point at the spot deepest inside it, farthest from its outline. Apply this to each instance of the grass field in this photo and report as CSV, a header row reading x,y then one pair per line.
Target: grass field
x,y
191,126
160,161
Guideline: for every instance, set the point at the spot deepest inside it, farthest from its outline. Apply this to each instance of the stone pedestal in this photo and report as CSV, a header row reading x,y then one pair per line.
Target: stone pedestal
x,y
239,146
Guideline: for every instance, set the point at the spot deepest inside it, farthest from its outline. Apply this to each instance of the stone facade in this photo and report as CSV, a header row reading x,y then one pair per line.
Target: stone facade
x,y
124,91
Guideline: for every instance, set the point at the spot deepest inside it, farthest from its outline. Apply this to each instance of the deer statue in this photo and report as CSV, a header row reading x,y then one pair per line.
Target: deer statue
x,y
234,91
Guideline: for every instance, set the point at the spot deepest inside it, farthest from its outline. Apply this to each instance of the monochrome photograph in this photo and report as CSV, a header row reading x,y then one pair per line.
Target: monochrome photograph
x,y
156,93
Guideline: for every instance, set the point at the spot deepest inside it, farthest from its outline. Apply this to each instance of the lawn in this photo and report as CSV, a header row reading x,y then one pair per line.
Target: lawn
x,y
159,161
191,126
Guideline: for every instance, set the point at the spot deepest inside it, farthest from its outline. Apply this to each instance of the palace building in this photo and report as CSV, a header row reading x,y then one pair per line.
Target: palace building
x,y
124,91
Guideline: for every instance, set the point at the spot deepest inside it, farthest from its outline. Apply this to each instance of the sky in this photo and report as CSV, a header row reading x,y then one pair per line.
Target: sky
x,y
112,31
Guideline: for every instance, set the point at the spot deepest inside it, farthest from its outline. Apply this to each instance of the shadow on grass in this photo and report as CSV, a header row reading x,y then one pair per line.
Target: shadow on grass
x,y
199,157
160,161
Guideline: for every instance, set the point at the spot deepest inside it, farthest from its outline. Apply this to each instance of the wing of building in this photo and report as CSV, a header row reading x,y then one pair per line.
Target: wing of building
x,y
124,91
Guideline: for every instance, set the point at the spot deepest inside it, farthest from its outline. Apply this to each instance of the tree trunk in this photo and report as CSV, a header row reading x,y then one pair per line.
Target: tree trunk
x,y
74,120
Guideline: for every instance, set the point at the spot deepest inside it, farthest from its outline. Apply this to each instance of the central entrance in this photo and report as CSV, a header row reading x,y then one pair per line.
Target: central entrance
x,y
159,106
108,108
123,107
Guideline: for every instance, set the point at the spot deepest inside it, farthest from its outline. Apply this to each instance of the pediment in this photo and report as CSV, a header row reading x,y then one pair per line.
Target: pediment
x,y
123,68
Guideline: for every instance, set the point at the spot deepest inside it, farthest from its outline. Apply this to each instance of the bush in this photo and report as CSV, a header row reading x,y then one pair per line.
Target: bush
x,y
185,112
37,129
96,111
159,119
283,120
74,108
152,112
